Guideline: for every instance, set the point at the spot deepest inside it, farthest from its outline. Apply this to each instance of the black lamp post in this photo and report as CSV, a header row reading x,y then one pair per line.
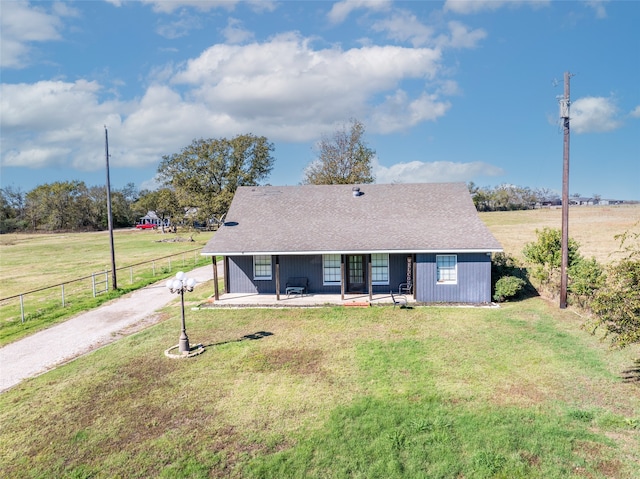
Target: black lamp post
x,y
179,285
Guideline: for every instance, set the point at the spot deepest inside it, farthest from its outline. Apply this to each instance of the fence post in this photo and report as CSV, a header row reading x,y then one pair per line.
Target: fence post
x,y
93,282
106,281
22,308
153,267
62,294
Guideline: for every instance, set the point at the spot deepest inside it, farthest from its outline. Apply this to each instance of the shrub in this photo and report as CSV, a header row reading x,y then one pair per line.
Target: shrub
x,y
545,255
616,305
508,287
586,276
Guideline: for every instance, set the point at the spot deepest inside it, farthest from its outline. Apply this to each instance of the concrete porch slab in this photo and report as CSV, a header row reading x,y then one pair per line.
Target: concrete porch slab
x,y
254,300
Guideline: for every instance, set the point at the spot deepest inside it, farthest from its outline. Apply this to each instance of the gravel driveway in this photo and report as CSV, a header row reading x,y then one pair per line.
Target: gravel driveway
x,y
81,334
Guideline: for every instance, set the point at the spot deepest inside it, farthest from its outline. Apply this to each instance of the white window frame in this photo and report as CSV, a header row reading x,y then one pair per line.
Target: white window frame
x,y
448,269
331,269
381,269
260,264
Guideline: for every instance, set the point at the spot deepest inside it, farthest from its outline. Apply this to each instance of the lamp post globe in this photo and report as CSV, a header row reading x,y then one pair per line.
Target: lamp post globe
x,y
179,285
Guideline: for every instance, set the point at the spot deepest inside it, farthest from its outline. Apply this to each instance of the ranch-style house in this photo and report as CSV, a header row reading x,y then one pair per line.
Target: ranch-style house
x,y
424,239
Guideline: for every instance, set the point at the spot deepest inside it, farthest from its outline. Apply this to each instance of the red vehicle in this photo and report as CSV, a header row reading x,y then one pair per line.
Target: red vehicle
x,y
146,226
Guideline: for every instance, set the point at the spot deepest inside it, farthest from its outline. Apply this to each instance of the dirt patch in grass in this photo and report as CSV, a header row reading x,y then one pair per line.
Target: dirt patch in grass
x,y
521,393
293,360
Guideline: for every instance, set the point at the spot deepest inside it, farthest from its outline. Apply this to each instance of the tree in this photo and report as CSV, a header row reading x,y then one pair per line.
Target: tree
x,y
12,209
343,159
206,174
60,205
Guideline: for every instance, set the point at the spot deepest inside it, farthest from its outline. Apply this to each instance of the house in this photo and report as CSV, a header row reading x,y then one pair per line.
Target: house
x,y
366,238
151,219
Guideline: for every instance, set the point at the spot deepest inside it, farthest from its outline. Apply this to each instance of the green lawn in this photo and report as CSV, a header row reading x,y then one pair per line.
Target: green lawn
x,y
516,391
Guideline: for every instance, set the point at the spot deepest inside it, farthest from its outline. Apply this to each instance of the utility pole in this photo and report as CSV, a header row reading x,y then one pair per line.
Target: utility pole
x,y
565,104
109,215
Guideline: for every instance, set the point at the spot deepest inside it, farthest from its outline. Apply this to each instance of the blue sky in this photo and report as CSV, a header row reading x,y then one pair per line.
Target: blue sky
x,y
447,90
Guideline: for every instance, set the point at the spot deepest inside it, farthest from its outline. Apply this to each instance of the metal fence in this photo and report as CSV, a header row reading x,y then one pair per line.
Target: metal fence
x,y
43,301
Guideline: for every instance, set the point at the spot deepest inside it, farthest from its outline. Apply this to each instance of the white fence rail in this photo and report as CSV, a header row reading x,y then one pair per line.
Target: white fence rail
x,y
37,302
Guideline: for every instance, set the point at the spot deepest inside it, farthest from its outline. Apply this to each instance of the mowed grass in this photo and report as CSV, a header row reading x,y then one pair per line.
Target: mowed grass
x,y
33,261
593,227
30,262
433,392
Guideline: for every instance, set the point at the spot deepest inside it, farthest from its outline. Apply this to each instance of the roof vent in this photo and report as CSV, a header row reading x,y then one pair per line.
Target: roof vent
x,y
355,191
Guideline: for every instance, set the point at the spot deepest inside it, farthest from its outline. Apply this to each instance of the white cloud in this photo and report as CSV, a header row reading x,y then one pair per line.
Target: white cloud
x,y
234,33
341,10
404,26
282,89
598,7
431,172
465,7
298,87
636,112
169,6
22,24
462,37
399,112
53,122
180,27
594,115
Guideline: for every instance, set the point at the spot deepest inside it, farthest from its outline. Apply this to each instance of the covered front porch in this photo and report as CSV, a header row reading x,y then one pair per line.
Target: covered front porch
x,y
257,300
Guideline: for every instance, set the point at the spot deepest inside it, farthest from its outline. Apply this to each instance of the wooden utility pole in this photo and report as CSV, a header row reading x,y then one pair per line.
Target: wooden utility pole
x,y
109,215
565,104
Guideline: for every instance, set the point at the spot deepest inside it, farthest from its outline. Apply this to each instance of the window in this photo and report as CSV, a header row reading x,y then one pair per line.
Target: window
x,y
331,269
262,267
380,268
447,268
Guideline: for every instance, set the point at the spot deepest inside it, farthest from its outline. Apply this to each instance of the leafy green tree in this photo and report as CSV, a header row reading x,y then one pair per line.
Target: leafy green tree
x,y
59,206
343,158
12,209
206,174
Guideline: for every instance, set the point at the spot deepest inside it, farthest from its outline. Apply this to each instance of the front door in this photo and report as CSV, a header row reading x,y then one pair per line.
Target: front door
x,y
355,274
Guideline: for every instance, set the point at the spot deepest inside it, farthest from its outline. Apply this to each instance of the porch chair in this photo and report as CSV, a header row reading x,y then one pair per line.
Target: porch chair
x,y
405,288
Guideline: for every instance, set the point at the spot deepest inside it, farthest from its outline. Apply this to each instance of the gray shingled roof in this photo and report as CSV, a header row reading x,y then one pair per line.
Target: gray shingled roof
x,y
308,219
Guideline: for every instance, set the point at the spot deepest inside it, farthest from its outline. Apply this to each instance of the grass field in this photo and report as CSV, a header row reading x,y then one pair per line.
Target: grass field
x,y
32,261
513,392
519,391
593,227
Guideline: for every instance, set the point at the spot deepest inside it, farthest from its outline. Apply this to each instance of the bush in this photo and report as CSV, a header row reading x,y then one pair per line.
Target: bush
x,y
508,287
616,305
586,276
545,255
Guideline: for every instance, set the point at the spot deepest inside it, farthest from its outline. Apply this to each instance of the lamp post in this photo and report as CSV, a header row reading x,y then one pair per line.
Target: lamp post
x,y
179,285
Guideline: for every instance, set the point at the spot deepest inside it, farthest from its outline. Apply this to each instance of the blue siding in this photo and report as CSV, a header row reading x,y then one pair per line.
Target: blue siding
x,y
309,266
473,285
241,277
